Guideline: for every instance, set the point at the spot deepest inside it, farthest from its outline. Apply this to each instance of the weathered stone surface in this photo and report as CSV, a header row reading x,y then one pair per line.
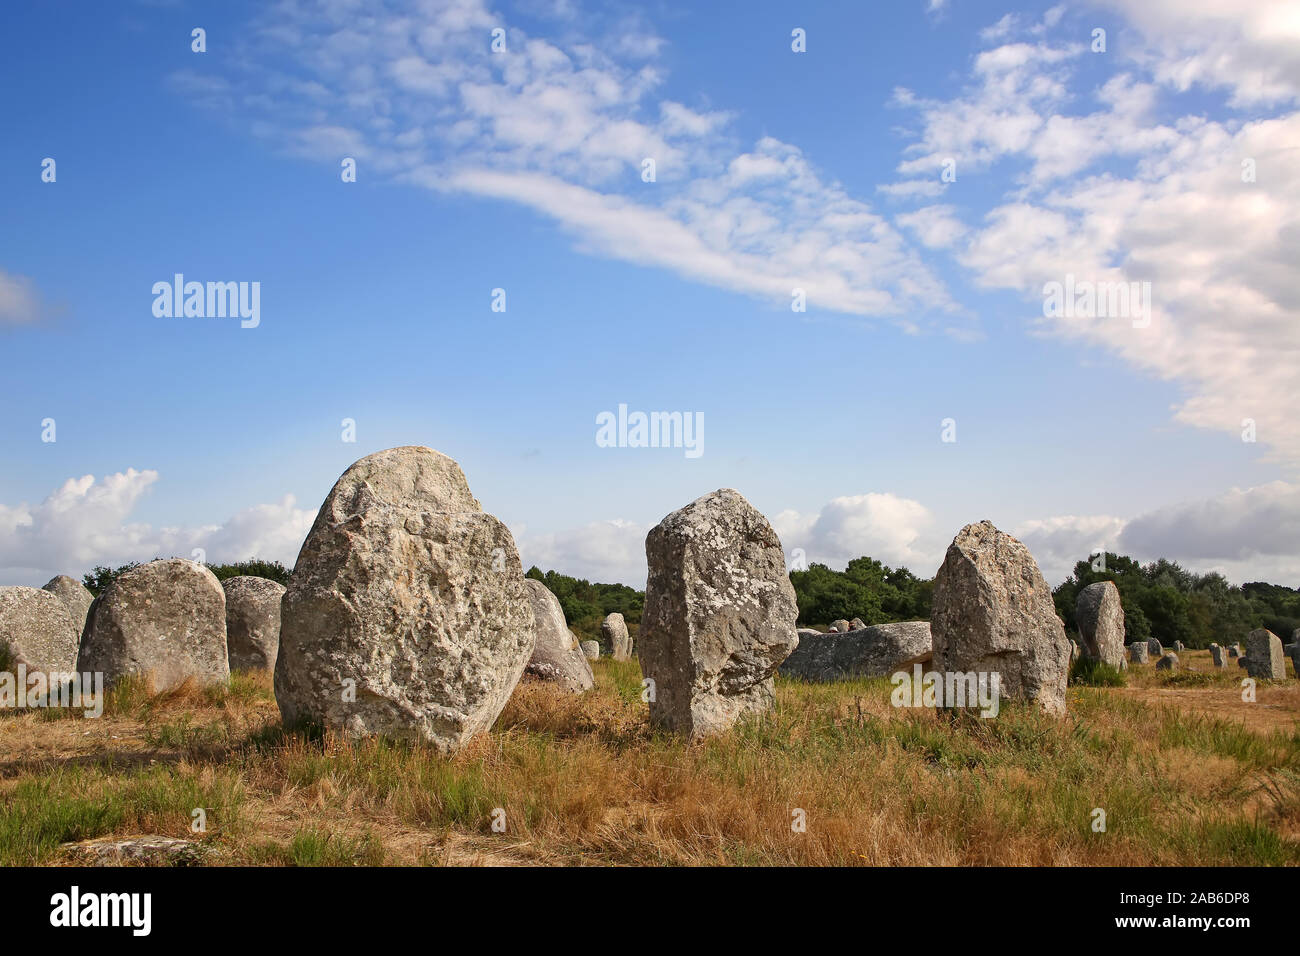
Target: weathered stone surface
x,y
1139,652
719,614
165,619
1234,650
1218,656
37,630
252,622
1179,647
841,626
856,624
1168,662
407,614
875,651
140,851
1264,655
1155,648
76,597
993,613
614,630
1100,617
591,650
556,655
803,632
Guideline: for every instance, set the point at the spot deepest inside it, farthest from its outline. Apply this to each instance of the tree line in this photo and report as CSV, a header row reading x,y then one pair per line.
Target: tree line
x,y
1160,598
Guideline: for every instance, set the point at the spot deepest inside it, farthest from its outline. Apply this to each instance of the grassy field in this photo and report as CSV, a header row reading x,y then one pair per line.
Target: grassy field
x,y
1186,772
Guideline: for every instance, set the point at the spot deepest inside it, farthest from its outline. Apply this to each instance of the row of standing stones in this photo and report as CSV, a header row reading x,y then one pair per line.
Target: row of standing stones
x,y
408,615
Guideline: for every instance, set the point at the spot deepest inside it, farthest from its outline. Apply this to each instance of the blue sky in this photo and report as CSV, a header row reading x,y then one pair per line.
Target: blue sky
x,y
775,170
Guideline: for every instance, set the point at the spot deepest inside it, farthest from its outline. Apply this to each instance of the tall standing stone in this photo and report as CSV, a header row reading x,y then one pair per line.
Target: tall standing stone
x,y
165,620
1155,648
719,614
36,630
1139,652
1100,617
557,655
407,614
1218,656
252,622
76,597
993,613
614,630
1264,655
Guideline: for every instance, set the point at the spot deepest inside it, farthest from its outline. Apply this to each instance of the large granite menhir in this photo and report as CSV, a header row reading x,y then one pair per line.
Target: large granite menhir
x,y
406,615
993,613
719,615
165,620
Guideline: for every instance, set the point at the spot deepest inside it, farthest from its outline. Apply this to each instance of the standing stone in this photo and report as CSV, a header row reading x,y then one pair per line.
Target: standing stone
x,y
36,630
614,630
1074,652
591,650
407,614
1139,652
841,626
1217,656
252,622
1168,662
1100,617
875,651
165,620
1179,647
719,614
993,613
556,656
1154,647
1234,650
76,597
856,624
1264,655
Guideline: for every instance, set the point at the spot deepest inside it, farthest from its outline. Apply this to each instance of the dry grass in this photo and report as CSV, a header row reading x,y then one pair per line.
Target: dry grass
x,y
1186,772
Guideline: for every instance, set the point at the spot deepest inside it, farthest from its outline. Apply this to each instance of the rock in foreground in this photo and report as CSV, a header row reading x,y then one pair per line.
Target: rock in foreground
x,y
875,651
165,619
719,614
993,613
407,614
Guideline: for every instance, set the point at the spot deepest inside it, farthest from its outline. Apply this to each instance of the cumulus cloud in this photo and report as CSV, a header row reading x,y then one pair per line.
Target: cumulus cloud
x,y
1252,50
1246,534
612,552
884,526
86,522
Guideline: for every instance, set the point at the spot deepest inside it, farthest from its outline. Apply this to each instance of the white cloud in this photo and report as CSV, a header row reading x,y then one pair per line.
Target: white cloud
x,y
563,127
1250,49
884,526
1245,534
1113,195
611,552
20,302
85,522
